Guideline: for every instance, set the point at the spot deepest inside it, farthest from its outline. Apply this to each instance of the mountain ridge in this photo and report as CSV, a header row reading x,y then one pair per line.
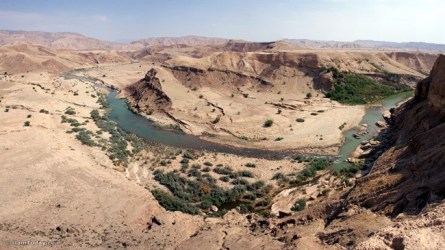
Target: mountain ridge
x,y
76,41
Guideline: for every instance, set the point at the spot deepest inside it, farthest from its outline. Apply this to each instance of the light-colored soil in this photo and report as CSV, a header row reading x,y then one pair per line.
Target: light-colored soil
x,y
56,189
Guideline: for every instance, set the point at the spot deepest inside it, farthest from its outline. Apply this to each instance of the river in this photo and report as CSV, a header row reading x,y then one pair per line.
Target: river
x,y
146,129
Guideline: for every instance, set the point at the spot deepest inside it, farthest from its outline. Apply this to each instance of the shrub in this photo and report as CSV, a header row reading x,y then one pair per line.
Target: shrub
x,y
188,155
224,178
172,203
268,123
250,196
85,137
315,165
6,110
245,173
27,124
206,169
351,88
308,95
278,176
102,100
300,120
223,171
28,116
250,165
240,182
194,172
70,111
216,120
279,139
44,111
207,163
300,205
184,160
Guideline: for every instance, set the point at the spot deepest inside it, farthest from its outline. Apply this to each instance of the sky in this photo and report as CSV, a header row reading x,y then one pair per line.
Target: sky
x,y
253,20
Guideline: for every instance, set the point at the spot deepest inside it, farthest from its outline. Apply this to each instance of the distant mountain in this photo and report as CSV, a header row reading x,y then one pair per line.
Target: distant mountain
x,y
58,40
367,44
408,45
168,41
74,41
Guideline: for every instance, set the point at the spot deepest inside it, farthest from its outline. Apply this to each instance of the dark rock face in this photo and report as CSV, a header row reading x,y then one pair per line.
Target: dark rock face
x,y
411,173
147,94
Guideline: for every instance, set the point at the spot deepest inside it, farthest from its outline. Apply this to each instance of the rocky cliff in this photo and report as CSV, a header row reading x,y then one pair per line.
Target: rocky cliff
x,y
147,94
410,174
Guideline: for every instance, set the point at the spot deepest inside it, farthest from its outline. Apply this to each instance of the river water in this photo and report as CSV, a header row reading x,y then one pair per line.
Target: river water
x,y
373,114
144,128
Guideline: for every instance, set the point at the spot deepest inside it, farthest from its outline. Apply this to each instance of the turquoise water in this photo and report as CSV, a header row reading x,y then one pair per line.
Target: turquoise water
x,y
372,115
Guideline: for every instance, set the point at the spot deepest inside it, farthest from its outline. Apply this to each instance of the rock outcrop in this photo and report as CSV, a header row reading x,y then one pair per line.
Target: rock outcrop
x,y
147,94
410,174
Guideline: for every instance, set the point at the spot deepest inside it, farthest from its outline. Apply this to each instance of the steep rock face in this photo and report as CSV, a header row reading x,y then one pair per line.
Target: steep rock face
x,y
195,77
147,94
410,174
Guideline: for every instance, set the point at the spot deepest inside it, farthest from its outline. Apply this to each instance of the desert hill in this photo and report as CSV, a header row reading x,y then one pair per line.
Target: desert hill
x,y
26,58
57,40
368,44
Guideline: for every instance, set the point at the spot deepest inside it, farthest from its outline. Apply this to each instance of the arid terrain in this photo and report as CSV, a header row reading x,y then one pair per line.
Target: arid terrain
x,y
73,178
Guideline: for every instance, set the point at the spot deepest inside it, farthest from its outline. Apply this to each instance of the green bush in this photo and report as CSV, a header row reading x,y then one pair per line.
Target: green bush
x,y
70,111
351,88
85,137
27,124
300,205
245,173
308,95
268,123
172,203
315,164
223,170
300,120
224,178
207,163
44,111
250,165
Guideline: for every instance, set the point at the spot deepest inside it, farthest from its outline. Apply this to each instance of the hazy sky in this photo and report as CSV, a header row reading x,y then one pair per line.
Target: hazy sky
x,y
256,20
